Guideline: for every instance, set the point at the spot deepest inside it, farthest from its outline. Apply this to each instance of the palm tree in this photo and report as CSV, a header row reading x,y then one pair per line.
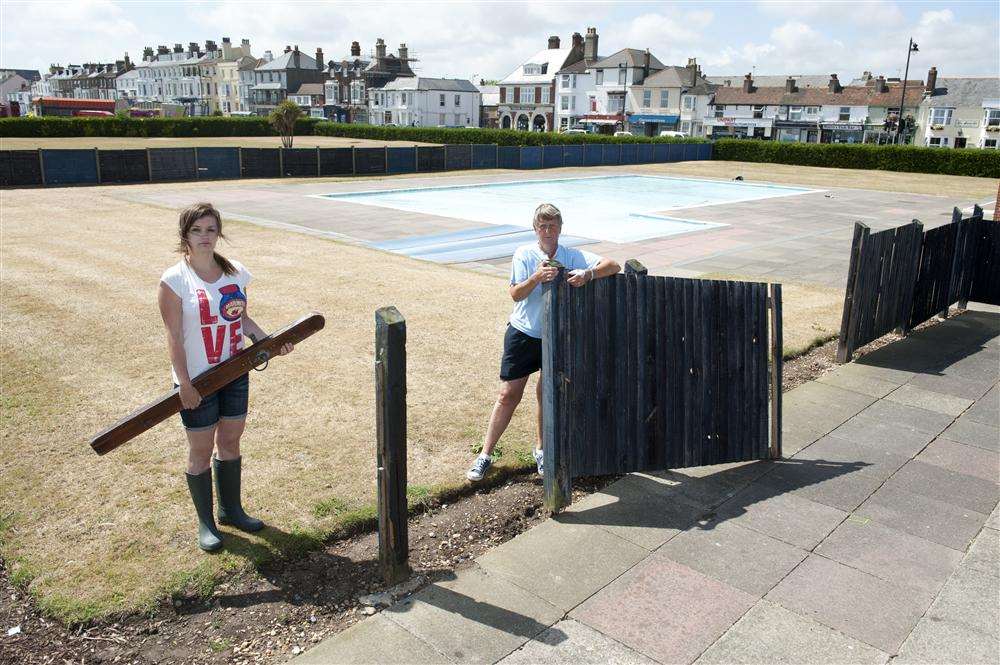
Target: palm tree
x,y
283,119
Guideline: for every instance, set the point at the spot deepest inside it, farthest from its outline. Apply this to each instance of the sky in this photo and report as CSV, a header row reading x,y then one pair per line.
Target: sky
x,y
487,40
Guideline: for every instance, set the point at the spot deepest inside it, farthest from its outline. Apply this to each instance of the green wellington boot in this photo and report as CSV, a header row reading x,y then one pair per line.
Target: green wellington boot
x,y
209,538
227,486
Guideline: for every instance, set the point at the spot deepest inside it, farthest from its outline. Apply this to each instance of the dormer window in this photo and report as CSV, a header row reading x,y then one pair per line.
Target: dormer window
x,y
532,70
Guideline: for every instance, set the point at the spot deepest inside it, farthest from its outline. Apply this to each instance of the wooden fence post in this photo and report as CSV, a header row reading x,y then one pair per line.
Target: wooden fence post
x,y
281,162
557,480
319,171
777,363
239,159
97,164
41,166
956,261
390,417
149,165
845,343
635,267
918,248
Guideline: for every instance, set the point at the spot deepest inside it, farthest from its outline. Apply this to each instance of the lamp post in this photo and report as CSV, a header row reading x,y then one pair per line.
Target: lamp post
x,y
912,48
623,67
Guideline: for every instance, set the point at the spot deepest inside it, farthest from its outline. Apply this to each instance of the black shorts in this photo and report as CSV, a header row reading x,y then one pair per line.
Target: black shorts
x,y
522,355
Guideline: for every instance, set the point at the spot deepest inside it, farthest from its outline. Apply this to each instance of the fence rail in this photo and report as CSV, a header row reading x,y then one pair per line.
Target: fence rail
x,y
32,168
643,373
900,277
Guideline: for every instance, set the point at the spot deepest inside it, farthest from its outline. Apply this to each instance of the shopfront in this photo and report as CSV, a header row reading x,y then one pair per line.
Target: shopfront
x,y
843,132
739,128
795,131
646,124
601,123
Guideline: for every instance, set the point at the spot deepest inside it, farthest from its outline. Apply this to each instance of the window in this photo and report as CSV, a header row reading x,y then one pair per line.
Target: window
x,y
687,101
938,142
441,102
622,71
812,110
593,103
845,114
528,95
564,102
532,70
941,116
686,126
990,143
599,77
664,97
758,111
795,113
992,117
545,95
647,98
458,100
720,111
564,81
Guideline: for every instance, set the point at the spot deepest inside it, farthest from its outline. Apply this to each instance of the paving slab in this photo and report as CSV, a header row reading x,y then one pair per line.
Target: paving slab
x,y
665,610
861,366
769,633
742,558
993,522
859,383
958,457
789,518
890,554
835,400
474,618
921,419
936,482
924,517
570,642
706,491
638,509
956,386
969,598
909,355
978,367
884,434
910,395
374,640
546,561
971,432
933,642
986,410
984,553
869,609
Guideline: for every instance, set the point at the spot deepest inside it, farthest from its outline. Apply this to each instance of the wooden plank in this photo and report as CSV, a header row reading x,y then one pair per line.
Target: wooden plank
x,y
621,373
661,388
390,416
777,363
639,452
844,344
705,333
916,229
956,222
556,479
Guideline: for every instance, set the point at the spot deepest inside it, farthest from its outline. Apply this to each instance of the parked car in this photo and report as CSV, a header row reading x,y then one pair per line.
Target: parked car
x,y
673,134
574,131
623,133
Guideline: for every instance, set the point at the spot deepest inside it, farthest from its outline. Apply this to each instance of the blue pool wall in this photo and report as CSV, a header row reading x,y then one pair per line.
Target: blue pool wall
x,y
53,168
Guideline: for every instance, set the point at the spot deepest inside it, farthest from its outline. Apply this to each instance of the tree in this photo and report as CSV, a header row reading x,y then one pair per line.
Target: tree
x,y
283,119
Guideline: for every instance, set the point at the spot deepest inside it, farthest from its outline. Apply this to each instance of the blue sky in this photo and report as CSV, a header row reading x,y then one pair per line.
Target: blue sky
x,y
488,39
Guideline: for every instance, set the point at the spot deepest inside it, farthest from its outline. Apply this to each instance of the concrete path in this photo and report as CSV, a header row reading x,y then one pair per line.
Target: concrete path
x,y
877,538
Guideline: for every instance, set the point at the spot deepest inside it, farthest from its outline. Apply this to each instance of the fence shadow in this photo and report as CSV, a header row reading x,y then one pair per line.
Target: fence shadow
x,y
672,500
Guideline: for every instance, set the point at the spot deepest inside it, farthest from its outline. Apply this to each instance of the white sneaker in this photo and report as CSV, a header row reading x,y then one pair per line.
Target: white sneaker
x,y
539,460
479,468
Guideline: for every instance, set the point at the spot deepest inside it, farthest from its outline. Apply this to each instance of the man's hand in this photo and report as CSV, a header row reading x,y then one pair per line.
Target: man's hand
x,y
579,277
545,274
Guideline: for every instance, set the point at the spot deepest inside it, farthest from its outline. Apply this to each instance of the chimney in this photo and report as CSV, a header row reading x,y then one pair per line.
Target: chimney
x,y
790,85
287,48
355,50
693,71
931,80
268,56
645,65
295,57
178,48
148,53
404,53
880,84
834,84
867,76
748,83
577,40
193,47
379,48
210,46
590,45
246,42
553,42
319,58
226,40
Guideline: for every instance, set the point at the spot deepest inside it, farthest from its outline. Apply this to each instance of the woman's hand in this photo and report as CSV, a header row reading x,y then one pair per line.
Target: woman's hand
x,y
285,349
190,399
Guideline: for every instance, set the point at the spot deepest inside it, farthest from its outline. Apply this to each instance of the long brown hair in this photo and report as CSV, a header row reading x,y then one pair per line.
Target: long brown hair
x,y
188,217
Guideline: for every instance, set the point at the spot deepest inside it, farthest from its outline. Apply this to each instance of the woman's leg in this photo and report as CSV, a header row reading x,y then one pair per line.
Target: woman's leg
x,y
228,472
200,444
199,480
227,438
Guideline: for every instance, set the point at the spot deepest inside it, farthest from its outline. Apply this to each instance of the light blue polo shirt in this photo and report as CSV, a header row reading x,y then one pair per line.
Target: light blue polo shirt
x,y
527,314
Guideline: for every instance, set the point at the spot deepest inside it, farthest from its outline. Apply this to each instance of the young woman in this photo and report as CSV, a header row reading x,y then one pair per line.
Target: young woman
x,y
203,303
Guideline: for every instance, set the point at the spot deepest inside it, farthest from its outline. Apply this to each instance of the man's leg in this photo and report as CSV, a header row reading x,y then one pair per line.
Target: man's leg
x,y
508,399
538,394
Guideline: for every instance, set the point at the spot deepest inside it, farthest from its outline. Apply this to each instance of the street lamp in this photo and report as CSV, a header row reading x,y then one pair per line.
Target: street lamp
x,y
912,48
622,66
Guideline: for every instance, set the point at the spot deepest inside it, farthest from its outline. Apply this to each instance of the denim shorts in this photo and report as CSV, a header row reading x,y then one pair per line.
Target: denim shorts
x,y
228,402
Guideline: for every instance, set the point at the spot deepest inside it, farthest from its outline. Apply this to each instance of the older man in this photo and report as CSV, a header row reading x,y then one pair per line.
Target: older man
x,y
522,346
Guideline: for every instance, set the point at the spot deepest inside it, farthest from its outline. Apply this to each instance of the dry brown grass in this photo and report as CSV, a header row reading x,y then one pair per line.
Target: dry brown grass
x,y
115,143
82,345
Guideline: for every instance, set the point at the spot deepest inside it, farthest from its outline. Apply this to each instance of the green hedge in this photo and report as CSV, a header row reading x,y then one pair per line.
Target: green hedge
x,y
55,127
912,159
477,135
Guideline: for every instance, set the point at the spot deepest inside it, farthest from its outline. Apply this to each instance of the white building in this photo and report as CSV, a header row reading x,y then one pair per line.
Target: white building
x,y
127,84
960,112
425,102
175,77
527,93
674,98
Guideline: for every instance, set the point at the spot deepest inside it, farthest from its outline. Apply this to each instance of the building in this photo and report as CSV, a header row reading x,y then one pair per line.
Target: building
x,y
960,112
175,77
127,85
282,76
425,102
673,98
771,80
311,97
527,93
15,94
575,84
382,69
490,102
247,78
834,114
232,60
343,78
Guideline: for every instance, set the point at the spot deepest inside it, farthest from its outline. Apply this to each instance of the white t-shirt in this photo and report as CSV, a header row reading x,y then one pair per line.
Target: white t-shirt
x,y
211,314
527,314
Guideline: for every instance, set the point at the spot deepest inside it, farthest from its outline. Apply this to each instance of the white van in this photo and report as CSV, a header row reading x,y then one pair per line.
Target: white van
x,y
673,134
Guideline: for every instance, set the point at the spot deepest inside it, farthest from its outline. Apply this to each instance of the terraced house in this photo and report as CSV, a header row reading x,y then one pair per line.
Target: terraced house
x,y
960,112
282,76
527,93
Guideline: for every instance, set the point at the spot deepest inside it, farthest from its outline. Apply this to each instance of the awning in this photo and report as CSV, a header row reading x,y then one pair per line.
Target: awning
x,y
668,119
599,122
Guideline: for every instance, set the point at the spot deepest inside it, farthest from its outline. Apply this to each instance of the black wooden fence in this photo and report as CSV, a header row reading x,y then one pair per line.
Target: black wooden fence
x,y
900,277
32,168
643,373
